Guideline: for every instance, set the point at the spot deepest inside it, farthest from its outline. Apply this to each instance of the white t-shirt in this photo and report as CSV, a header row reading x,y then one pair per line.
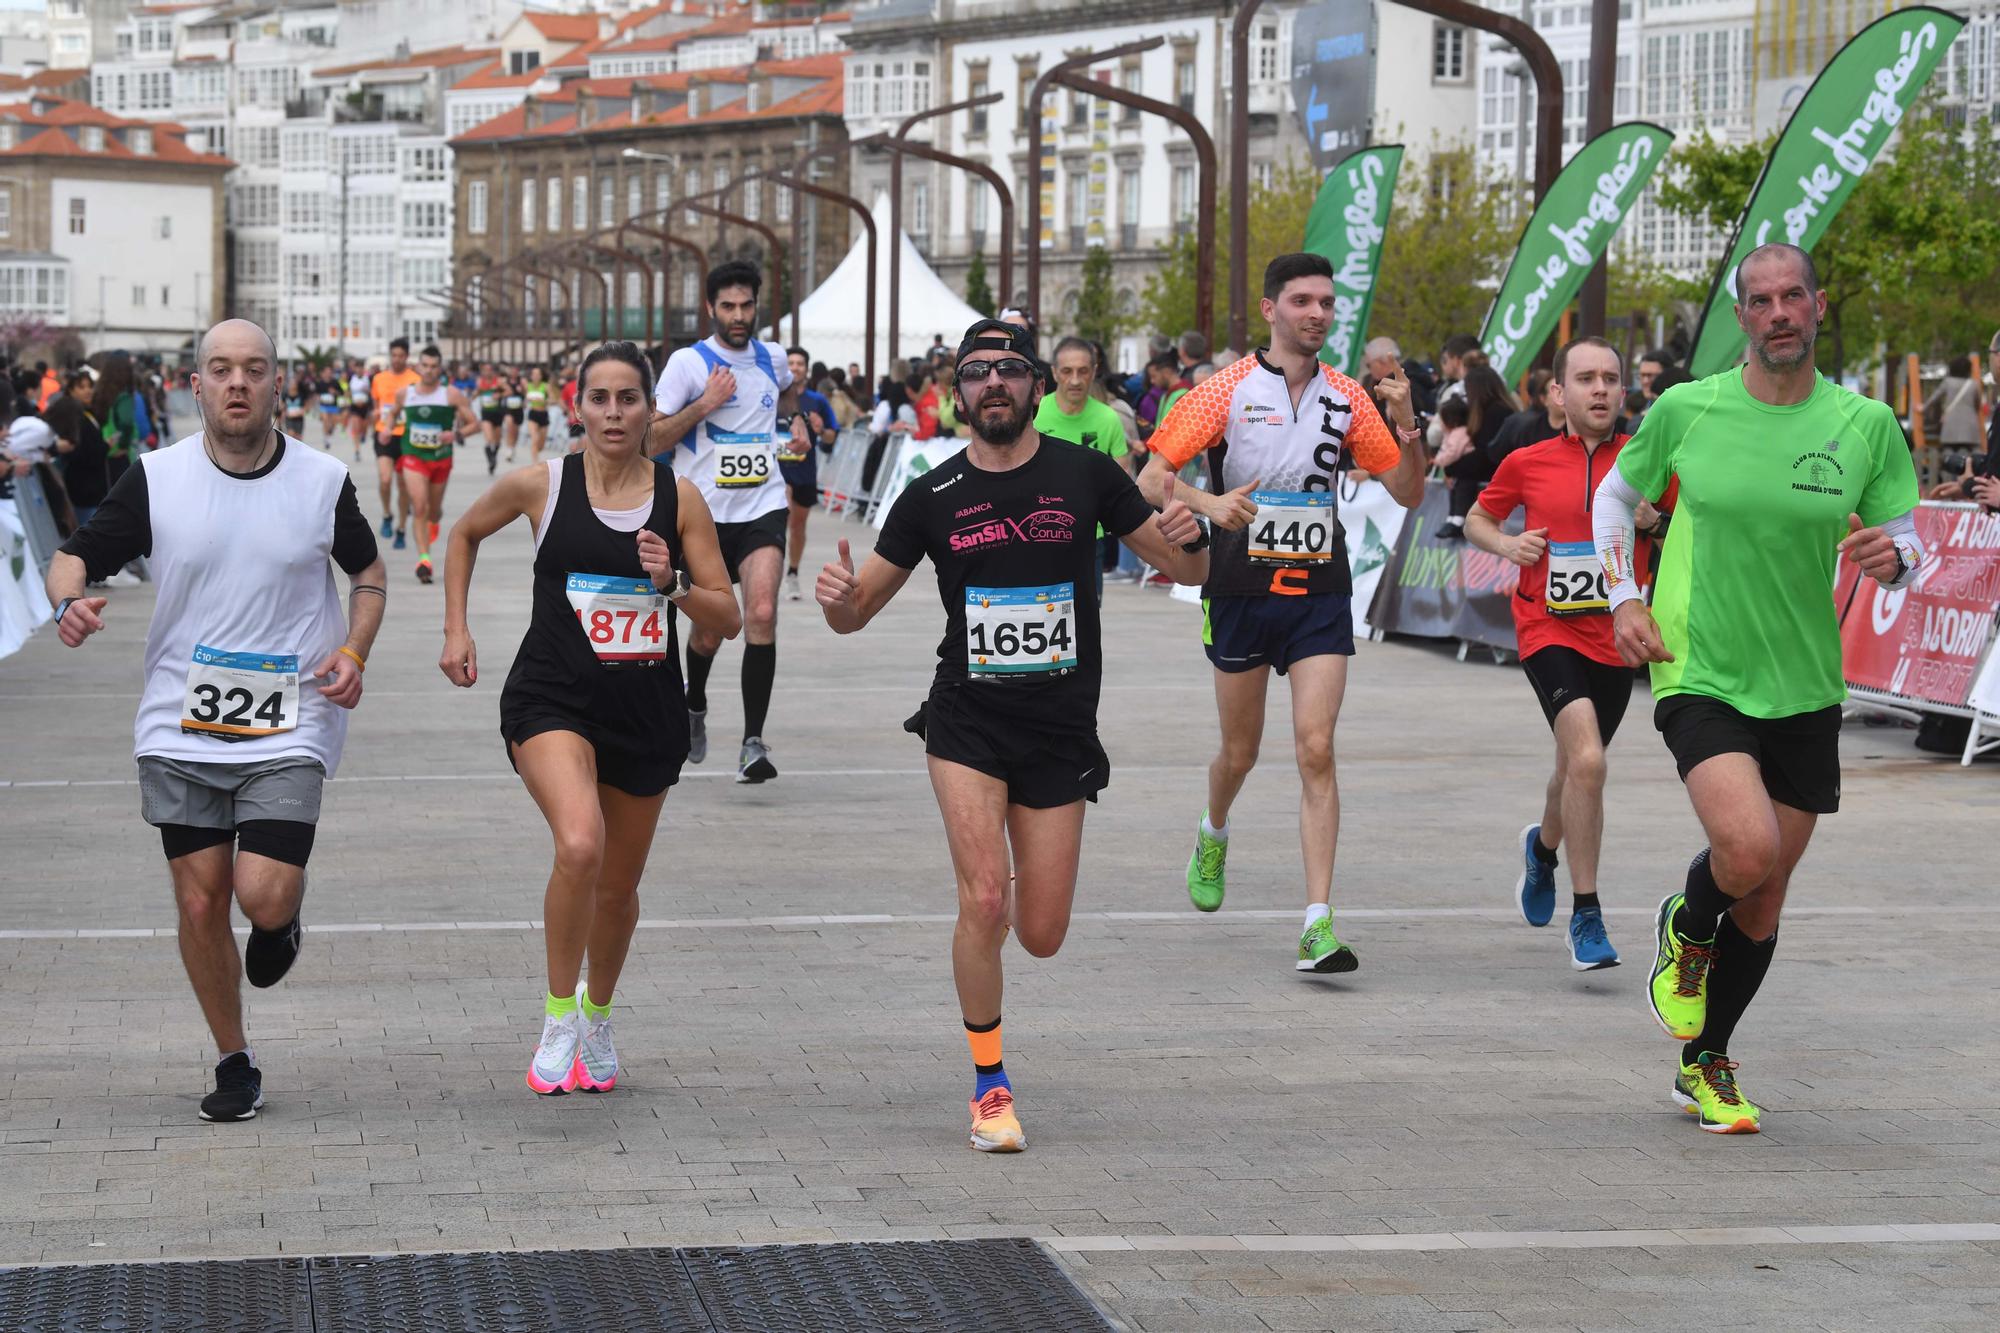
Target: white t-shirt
x,y
731,456
30,438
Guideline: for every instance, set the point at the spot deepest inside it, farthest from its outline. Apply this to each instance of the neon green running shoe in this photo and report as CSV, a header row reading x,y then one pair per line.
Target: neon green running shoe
x,y
1707,1090
1321,951
1679,993
1205,868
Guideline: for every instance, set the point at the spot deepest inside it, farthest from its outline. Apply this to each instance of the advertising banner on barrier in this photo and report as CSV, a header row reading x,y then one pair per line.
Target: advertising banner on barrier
x,y
1841,123
913,459
23,605
1372,521
1924,644
1346,225
1567,235
1444,589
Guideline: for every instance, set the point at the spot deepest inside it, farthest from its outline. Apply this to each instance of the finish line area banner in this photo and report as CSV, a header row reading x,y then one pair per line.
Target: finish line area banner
x,y
1922,647
1443,588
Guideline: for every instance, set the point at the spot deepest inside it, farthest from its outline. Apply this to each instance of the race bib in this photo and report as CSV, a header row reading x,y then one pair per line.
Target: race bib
x,y
426,435
789,450
487,401
361,398
234,696
1577,586
1020,631
328,400
1292,528
513,402
622,617
741,461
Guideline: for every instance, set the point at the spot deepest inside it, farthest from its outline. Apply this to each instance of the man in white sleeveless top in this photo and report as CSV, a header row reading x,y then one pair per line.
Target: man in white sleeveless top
x,y
250,669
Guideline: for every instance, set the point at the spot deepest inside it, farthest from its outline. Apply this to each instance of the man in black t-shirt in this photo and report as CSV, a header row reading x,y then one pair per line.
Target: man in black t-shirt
x,y
1010,726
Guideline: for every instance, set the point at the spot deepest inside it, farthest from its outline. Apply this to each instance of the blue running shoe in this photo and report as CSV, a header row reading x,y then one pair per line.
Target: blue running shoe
x,y
1535,891
399,540
1589,947
388,527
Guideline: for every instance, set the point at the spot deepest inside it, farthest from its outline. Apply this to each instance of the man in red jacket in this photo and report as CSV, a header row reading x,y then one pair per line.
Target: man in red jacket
x,y
1562,621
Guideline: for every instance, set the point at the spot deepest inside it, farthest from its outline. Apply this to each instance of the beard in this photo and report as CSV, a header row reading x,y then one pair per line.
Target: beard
x,y
1803,355
1004,430
733,337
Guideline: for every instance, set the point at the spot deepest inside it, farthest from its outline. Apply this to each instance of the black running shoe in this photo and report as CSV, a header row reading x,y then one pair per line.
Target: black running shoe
x,y
239,1090
271,953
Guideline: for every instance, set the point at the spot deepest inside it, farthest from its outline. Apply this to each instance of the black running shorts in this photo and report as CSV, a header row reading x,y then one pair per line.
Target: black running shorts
x,y
738,540
1562,675
1041,770
1798,756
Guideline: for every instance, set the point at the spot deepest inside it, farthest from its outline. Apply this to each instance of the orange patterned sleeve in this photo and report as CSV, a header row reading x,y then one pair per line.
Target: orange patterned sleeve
x,y
1201,416
1369,440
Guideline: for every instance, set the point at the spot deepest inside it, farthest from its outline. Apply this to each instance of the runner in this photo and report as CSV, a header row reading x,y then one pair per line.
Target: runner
x,y
298,388
1070,413
1562,622
722,398
1780,474
385,389
798,462
592,710
328,389
360,399
535,393
487,392
1278,593
514,404
1010,727
432,418
249,670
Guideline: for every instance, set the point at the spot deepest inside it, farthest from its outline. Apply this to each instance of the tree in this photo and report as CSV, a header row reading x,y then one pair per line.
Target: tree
x,y
1097,303
1451,233
1277,226
978,292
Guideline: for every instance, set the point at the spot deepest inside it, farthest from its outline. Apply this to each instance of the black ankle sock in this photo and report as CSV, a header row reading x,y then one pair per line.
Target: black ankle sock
x,y
1704,901
1584,902
793,570
760,669
1733,978
699,665
1544,853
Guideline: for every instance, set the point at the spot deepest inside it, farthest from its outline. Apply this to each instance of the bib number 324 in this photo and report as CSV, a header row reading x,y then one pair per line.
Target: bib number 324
x,y
621,617
237,696
1011,632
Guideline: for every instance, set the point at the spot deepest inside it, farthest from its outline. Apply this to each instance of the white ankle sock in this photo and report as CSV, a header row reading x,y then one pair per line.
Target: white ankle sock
x,y
1315,911
1219,834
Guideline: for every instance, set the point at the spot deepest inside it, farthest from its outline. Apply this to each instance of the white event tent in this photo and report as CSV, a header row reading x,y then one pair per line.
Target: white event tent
x,y
832,319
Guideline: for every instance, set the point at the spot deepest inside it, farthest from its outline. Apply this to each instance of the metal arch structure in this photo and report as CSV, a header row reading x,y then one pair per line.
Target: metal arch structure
x,y
860,210
897,142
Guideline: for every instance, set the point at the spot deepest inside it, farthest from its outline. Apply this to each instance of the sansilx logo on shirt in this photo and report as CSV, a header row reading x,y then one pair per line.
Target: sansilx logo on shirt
x,y
1818,471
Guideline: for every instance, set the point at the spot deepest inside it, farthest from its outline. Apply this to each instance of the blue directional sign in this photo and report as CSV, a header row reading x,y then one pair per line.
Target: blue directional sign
x,y
1333,76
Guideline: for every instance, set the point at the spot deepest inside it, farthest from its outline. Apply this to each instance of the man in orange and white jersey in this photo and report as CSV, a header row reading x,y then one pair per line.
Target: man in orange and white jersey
x,y
1279,591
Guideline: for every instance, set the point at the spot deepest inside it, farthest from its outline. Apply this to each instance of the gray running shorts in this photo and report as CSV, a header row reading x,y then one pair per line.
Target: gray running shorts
x,y
205,795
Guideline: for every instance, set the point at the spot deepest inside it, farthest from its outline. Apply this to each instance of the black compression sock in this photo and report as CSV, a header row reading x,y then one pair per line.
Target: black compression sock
x,y
1704,901
699,665
1733,978
760,669
1584,902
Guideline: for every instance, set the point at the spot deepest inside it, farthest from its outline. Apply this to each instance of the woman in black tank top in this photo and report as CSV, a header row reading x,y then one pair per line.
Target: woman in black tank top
x,y
593,711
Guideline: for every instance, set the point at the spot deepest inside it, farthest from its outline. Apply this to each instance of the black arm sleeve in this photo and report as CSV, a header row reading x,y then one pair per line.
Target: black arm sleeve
x,y
353,540
119,532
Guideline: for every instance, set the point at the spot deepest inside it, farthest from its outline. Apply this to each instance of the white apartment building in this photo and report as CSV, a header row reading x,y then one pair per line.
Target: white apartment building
x,y
24,40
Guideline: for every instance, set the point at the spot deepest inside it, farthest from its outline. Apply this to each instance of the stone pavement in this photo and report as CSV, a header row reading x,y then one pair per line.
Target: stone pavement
x,y
1463,1134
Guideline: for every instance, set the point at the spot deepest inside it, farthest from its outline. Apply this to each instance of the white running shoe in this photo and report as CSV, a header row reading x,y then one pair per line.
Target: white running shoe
x,y
792,593
553,1070
596,1056
697,735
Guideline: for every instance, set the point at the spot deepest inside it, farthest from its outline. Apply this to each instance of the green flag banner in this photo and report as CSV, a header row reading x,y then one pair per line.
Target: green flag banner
x,y
1840,125
1567,235
1346,225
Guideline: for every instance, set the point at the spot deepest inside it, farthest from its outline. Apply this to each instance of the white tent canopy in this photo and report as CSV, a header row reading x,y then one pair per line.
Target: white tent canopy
x,y
832,319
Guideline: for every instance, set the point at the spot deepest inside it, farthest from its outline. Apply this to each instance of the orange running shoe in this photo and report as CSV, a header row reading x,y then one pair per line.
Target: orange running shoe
x,y
995,1127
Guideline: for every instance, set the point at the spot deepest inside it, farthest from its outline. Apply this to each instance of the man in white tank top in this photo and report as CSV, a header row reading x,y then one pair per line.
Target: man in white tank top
x,y
250,669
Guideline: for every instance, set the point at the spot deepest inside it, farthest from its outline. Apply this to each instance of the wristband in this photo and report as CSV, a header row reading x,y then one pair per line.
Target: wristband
x,y
1409,434
351,653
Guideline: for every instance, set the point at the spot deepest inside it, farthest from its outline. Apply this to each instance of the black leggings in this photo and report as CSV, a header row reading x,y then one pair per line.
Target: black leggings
x,y
285,840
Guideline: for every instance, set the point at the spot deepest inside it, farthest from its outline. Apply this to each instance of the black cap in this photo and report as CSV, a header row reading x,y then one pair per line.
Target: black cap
x,y
991,335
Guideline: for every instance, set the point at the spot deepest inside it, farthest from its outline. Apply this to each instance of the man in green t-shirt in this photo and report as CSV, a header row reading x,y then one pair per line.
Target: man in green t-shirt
x,y
1070,413
1781,473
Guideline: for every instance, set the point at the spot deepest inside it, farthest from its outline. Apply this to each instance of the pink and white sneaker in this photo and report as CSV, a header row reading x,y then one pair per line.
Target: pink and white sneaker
x,y
596,1057
553,1070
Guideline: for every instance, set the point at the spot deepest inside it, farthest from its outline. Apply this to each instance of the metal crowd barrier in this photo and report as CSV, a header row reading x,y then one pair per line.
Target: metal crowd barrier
x,y
38,519
841,471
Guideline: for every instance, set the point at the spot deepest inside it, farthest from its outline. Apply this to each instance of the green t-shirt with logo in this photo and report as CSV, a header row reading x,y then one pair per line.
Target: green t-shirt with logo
x,y
427,427
1095,427
1744,598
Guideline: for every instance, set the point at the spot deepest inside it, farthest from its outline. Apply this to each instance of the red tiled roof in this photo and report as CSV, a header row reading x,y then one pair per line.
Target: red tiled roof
x,y
824,97
563,27
509,124
837,16
495,75
826,65
42,79
437,58
50,137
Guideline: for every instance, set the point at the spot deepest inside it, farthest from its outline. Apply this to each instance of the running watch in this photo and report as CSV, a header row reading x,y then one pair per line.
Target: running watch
x,y
683,585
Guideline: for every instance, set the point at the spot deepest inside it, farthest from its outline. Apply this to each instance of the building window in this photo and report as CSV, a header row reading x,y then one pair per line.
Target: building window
x,y
1184,80
1130,79
753,200
690,187
607,200
555,203
635,195
6,210
1079,111
92,138
139,296
76,217
1128,197
1024,91
975,119
520,62
976,206
690,288
579,202
920,210
424,219
1183,194
142,142
1447,53
527,206
782,201
475,208
1267,53
166,297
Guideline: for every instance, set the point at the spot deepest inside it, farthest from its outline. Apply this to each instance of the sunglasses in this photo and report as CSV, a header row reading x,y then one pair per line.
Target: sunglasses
x,y
1012,369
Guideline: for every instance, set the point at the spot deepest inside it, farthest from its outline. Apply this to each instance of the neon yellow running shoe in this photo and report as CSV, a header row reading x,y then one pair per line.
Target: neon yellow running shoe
x,y
1320,950
1707,1090
1205,877
1679,992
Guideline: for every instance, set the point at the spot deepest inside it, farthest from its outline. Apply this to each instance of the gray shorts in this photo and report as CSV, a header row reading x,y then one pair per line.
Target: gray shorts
x,y
205,795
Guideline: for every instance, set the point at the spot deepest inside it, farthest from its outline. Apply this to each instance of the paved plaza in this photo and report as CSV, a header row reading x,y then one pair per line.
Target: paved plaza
x,y
1464,1134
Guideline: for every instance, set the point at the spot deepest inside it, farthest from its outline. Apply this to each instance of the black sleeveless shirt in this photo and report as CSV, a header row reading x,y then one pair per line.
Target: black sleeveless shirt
x,y
632,701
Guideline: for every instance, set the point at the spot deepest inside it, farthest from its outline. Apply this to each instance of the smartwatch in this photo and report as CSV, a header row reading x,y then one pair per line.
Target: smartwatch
x,y
1200,543
61,607
683,585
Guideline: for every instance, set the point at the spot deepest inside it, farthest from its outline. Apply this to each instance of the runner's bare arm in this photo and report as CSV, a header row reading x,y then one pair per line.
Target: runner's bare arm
x,y
851,600
467,419
1405,481
67,578
516,494
367,599
1483,531
711,602
1158,541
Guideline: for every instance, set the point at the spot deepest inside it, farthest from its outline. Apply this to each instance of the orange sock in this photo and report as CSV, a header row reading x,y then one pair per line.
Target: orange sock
x,y
987,1072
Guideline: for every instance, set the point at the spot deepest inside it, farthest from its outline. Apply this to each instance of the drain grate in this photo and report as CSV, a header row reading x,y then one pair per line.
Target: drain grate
x,y
978,1286
251,1296
924,1286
